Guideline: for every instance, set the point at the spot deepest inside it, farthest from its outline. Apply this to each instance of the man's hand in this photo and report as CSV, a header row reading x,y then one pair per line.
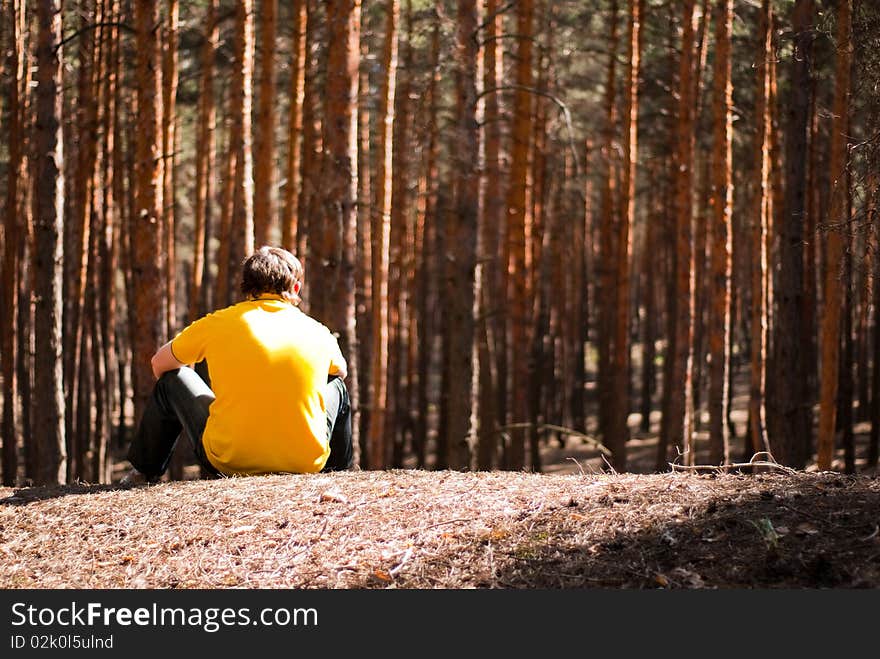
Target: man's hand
x,y
339,370
164,361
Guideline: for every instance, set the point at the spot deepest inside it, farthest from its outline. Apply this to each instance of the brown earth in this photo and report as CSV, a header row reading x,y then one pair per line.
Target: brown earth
x,y
417,529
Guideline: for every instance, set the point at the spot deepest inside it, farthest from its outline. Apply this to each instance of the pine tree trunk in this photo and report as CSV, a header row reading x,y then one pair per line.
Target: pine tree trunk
x,y
619,412
80,199
426,241
721,236
462,232
108,249
812,210
605,257
649,295
518,295
874,223
836,225
701,245
265,129
378,443
221,293
290,219
333,241
10,266
491,223
204,172
680,426
400,239
364,255
307,205
148,330
169,160
241,138
583,246
760,214
47,256
792,445
24,247
845,387
540,369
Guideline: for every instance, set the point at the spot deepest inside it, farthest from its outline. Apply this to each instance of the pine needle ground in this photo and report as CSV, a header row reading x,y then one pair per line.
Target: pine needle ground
x,y
417,529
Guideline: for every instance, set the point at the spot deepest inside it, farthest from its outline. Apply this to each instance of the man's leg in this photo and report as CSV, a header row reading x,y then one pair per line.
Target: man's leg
x,y
180,402
338,426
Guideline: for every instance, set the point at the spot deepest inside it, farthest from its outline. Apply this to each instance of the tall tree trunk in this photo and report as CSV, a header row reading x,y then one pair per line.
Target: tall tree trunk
x,y
426,240
334,243
364,255
148,310
669,254
108,251
462,232
265,130
311,134
290,219
491,219
221,293
874,223
605,257
845,372
701,245
400,239
78,234
536,244
792,445
378,443
583,248
836,226
11,238
169,180
169,160
24,247
648,294
47,256
680,426
204,149
812,211
720,239
241,138
758,236
619,412
518,295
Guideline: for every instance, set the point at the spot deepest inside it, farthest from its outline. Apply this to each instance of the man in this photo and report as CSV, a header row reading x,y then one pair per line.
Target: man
x,y
277,402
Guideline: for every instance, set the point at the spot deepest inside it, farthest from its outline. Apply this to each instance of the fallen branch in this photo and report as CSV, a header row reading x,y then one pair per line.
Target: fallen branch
x,y
406,557
771,463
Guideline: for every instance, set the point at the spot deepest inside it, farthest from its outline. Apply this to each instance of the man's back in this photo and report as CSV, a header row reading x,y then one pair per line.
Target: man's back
x,y
268,363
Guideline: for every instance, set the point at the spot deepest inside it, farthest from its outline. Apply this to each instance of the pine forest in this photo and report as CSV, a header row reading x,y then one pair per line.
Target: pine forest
x,y
640,232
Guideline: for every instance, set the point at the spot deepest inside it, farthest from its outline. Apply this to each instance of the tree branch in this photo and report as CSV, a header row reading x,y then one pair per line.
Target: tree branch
x,y
563,108
92,26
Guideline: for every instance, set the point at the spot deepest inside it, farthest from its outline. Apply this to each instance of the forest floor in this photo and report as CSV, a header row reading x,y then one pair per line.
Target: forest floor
x,y
420,529
573,526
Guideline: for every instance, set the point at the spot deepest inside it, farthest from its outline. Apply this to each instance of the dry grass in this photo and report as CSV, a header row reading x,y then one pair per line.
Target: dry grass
x,y
411,529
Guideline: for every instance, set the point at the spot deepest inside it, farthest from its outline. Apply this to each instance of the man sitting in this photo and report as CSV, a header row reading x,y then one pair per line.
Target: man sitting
x,y
277,401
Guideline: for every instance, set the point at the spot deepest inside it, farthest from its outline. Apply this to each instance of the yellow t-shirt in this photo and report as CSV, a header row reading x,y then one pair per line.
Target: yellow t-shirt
x,y
268,363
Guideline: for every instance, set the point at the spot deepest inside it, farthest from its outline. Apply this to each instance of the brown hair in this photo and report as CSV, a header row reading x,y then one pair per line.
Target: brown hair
x,y
271,270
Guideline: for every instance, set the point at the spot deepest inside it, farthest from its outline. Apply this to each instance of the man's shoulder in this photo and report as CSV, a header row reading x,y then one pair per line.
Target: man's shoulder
x,y
309,321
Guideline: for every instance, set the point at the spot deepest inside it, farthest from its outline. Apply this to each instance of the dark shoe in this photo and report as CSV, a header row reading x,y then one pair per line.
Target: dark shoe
x,y
135,478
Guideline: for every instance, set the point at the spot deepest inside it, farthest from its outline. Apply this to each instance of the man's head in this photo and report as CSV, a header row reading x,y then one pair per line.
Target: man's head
x,y
272,270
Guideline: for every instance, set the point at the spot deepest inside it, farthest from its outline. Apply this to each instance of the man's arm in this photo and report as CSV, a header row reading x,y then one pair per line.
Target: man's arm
x,y
338,367
339,370
164,360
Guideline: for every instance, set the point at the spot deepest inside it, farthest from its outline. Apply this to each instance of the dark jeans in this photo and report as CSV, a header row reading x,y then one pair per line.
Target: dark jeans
x,y
180,403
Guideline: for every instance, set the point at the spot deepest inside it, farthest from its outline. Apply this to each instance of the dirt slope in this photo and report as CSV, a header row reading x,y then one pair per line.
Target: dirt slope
x,y
410,529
